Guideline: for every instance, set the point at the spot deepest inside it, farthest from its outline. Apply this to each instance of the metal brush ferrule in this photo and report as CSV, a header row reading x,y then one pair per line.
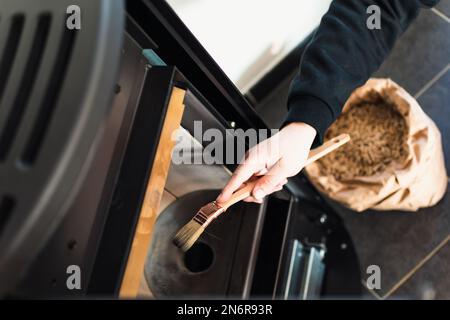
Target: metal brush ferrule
x,y
208,213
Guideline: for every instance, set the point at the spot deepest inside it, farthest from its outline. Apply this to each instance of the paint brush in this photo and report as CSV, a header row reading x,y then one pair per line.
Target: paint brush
x,y
190,232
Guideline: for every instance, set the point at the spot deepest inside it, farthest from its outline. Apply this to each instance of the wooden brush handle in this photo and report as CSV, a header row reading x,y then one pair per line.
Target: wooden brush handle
x,y
314,155
327,147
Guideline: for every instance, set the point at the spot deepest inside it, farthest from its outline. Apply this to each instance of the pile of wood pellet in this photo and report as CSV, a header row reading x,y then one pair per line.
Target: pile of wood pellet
x,y
378,137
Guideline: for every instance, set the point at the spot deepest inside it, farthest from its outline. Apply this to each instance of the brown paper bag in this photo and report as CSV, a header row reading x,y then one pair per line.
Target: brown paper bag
x,y
419,182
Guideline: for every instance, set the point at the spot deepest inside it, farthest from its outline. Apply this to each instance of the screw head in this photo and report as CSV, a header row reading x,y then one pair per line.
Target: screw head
x,y
117,88
72,244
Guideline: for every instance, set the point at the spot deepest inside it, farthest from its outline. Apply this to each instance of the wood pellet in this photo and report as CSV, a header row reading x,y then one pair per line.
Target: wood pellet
x,y
378,138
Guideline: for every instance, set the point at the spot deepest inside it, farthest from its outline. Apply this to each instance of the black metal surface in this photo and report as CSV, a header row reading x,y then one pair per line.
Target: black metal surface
x,y
132,181
312,224
138,35
270,247
216,266
303,275
317,224
76,240
56,90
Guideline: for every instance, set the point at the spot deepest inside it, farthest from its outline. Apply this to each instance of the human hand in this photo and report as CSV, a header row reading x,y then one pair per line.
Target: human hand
x,y
273,161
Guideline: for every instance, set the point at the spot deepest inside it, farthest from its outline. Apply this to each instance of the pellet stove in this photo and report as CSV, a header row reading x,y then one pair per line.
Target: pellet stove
x,y
86,177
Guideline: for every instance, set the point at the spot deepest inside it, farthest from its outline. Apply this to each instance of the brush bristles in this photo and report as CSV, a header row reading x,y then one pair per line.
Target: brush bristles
x,y
186,236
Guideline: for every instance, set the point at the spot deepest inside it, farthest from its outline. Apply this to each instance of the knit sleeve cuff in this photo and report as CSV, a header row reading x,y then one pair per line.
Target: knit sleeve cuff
x,y
312,111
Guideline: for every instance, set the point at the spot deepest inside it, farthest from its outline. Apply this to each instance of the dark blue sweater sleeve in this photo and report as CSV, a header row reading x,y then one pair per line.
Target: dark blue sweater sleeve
x,y
342,55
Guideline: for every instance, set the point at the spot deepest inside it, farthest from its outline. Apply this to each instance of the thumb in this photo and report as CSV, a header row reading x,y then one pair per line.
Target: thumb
x,y
269,181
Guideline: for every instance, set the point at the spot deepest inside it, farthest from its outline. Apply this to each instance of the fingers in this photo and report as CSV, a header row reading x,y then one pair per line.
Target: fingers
x,y
271,181
275,177
261,172
252,199
240,175
278,187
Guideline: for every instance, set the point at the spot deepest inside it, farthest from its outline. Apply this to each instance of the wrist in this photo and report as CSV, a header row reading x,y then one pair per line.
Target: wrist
x,y
302,130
